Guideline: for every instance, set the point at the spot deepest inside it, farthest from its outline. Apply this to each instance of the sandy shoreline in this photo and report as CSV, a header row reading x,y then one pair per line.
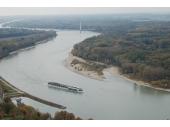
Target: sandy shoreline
x,y
142,83
90,74
113,70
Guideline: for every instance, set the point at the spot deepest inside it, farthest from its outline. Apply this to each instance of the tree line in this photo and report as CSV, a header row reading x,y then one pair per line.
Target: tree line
x,y
141,51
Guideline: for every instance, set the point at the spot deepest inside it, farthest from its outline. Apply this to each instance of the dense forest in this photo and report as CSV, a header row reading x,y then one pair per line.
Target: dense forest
x,y
140,49
13,32
12,39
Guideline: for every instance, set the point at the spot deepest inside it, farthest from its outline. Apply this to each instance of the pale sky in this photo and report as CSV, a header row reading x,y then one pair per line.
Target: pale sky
x,y
4,11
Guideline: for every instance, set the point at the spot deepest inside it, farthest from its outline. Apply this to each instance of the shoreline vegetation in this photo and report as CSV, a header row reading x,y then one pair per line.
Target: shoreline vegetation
x,y
83,67
80,66
141,50
12,39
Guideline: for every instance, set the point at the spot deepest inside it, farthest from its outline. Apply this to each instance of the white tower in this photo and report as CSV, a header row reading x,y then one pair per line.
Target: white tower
x,y
80,27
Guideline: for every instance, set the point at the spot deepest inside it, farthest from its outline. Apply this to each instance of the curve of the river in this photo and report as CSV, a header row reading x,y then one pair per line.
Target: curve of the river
x,y
112,98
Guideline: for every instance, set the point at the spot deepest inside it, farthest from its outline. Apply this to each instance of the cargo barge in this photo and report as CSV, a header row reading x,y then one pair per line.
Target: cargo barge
x,y
65,87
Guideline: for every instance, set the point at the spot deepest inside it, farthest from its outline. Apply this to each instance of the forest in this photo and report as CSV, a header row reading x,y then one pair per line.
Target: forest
x,y
140,49
12,39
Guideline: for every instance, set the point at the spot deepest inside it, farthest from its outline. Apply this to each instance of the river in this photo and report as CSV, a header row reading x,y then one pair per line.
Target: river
x,y
112,98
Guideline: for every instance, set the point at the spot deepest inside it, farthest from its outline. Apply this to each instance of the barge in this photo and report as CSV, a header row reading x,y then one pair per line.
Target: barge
x,y
65,87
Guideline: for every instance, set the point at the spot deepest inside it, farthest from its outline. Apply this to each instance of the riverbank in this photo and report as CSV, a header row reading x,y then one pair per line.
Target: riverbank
x,y
11,91
142,83
28,48
12,39
113,70
78,68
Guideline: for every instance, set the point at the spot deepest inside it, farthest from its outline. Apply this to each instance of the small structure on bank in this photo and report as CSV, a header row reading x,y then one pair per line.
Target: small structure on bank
x,y
18,100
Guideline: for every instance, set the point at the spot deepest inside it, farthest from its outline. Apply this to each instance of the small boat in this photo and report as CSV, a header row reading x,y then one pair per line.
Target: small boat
x,y
65,87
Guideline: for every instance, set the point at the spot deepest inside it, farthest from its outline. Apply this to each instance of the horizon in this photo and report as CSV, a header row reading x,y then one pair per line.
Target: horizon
x,y
42,11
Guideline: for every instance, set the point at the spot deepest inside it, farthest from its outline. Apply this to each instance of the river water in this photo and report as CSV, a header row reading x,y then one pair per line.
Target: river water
x,y
112,98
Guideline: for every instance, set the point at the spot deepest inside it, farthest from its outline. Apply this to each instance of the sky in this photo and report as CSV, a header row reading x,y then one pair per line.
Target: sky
x,y
8,11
